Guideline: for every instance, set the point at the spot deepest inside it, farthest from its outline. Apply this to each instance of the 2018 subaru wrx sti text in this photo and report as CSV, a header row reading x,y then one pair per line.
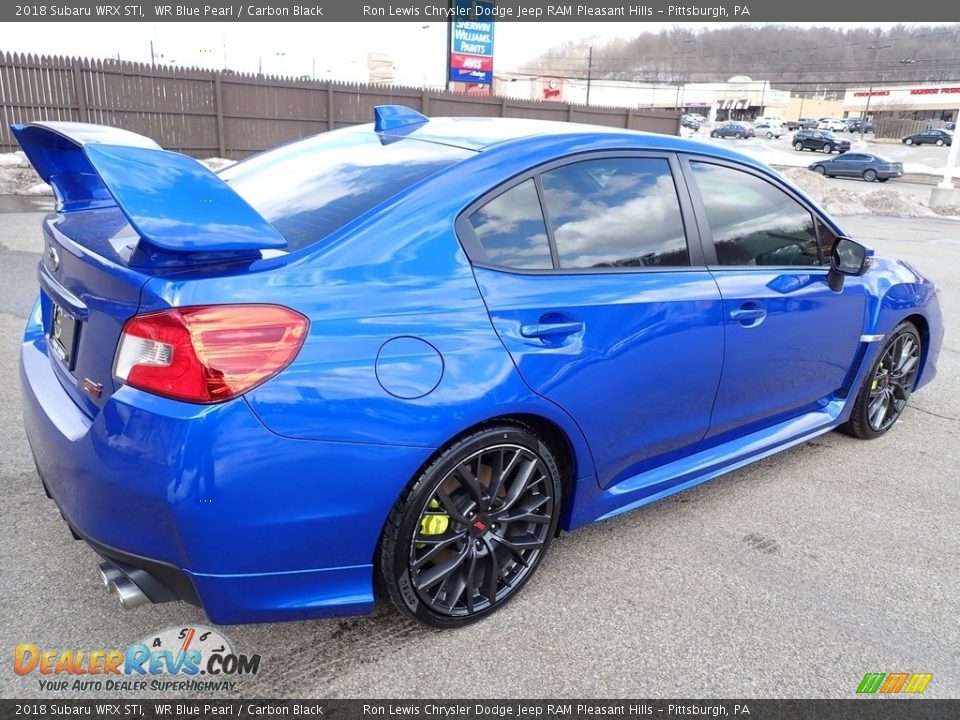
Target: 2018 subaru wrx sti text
x,y
413,351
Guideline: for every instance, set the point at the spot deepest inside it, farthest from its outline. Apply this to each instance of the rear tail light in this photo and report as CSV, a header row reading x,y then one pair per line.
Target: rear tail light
x,y
208,354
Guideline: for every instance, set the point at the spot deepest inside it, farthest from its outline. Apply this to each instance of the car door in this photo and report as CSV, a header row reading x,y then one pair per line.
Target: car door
x,y
790,339
604,307
847,165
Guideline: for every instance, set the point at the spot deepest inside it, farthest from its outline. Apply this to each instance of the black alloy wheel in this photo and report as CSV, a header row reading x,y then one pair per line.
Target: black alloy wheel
x,y
473,528
886,389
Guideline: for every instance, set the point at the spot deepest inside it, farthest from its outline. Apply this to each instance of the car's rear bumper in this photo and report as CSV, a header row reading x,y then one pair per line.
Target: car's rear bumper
x,y
253,526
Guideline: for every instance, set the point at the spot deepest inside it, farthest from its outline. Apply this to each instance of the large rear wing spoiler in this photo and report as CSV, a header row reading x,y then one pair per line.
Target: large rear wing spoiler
x,y
173,202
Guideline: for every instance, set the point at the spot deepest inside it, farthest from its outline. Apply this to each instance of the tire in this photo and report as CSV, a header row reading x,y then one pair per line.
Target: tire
x,y
481,559
798,146
908,141
940,142
819,169
882,179
769,136
827,148
872,416
714,134
869,175
738,136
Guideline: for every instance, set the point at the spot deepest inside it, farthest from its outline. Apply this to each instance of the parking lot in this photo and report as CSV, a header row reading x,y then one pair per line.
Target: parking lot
x,y
790,578
778,151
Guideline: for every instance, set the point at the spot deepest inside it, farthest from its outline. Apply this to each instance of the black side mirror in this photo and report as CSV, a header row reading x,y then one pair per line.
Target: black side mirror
x,y
849,258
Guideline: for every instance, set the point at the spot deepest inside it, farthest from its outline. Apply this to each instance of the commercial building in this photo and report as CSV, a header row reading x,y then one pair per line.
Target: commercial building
x,y
739,98
925,101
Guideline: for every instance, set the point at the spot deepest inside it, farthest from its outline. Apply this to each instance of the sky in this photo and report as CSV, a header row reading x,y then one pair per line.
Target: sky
x,y
322,50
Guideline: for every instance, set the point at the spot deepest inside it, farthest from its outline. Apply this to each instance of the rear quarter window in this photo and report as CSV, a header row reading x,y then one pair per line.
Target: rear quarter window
x,y
310,189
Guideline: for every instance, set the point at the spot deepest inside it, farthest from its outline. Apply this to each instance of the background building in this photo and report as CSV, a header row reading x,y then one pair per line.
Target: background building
x,y
926,101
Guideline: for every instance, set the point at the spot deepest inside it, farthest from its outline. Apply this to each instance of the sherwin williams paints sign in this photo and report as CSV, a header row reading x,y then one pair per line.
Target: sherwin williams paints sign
x,y
471,42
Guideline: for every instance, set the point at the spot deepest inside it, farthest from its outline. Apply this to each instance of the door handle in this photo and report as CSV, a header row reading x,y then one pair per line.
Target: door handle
x,y
748,314
551,329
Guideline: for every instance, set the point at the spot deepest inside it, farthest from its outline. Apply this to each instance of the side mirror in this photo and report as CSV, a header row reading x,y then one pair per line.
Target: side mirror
x,y
849,258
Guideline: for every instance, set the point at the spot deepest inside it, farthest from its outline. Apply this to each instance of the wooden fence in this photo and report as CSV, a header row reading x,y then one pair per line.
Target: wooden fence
x,y
208,113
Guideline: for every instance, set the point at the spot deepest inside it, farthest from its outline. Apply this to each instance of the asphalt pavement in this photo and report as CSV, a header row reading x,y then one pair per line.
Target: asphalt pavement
x,y
792,577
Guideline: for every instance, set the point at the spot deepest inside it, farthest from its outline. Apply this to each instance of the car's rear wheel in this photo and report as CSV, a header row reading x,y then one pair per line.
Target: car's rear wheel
x,y
472,528
798,146
738,135
909,141
819,169
827,148
887,387
869,175
940,143
769,136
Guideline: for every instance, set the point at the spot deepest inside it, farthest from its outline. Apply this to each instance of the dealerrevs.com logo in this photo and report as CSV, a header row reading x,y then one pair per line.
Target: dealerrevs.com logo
x,y
177,659
893,683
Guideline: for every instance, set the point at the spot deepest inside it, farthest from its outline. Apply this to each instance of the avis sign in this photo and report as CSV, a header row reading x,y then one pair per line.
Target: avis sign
x,y
471,42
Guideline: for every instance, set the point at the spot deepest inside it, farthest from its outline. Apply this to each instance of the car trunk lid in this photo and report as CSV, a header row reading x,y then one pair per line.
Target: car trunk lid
x,y
126,211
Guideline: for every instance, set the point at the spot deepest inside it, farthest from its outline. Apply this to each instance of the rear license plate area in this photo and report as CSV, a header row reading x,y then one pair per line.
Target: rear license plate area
x,y
64,330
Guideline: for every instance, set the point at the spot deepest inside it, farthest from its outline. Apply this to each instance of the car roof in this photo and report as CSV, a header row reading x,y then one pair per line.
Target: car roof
x,y
524,142
479,133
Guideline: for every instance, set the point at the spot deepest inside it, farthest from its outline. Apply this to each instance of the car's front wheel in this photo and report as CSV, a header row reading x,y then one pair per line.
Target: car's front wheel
x,y
798,146
819,169
714,134
908,141
888,385
472,528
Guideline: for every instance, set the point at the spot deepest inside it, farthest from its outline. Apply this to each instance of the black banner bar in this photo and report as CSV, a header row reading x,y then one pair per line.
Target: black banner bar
x,y
743,11
872,708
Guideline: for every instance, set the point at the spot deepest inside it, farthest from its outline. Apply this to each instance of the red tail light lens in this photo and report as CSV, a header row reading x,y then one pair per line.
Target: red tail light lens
x,y
208,354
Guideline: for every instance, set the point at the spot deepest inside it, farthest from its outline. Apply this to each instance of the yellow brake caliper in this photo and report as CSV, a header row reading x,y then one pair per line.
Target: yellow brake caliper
x,y
434,523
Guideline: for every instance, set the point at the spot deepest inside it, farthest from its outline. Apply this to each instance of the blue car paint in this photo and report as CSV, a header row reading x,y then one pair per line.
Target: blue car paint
x,y
273,502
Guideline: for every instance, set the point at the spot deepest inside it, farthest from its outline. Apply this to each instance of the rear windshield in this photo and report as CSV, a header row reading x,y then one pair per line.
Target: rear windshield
x,y
309,189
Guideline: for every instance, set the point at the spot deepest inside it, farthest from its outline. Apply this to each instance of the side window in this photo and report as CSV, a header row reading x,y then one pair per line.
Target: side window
x,y
828,239
615,212
753,222
511,229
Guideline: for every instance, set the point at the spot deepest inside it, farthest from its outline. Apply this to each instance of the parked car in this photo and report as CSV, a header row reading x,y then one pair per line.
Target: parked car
x,y
791,125
832,125
857,124
819,140
362,359
690,122
733,129
768,131
863,165
698,117
932,136
809,123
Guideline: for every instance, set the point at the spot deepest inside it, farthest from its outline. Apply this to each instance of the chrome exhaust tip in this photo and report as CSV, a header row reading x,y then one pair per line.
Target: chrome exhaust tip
x,y
109,574
128,593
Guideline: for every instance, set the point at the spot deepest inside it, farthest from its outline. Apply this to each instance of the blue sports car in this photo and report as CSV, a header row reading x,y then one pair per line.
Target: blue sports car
x,y
407,354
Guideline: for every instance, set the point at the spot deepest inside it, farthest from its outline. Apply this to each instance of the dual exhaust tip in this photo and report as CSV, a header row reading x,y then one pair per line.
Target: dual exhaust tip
x,y
127,591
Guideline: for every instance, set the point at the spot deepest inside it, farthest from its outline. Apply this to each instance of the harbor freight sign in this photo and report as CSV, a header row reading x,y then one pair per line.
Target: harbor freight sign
x,y
471,41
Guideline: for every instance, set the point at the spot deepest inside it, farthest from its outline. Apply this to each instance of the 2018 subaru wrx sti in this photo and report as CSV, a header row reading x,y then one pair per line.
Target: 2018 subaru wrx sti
x,y
413,351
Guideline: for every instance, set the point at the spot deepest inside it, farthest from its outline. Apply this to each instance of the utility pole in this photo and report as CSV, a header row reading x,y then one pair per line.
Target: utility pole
x,y
945,193
876,55
589,72
152,61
